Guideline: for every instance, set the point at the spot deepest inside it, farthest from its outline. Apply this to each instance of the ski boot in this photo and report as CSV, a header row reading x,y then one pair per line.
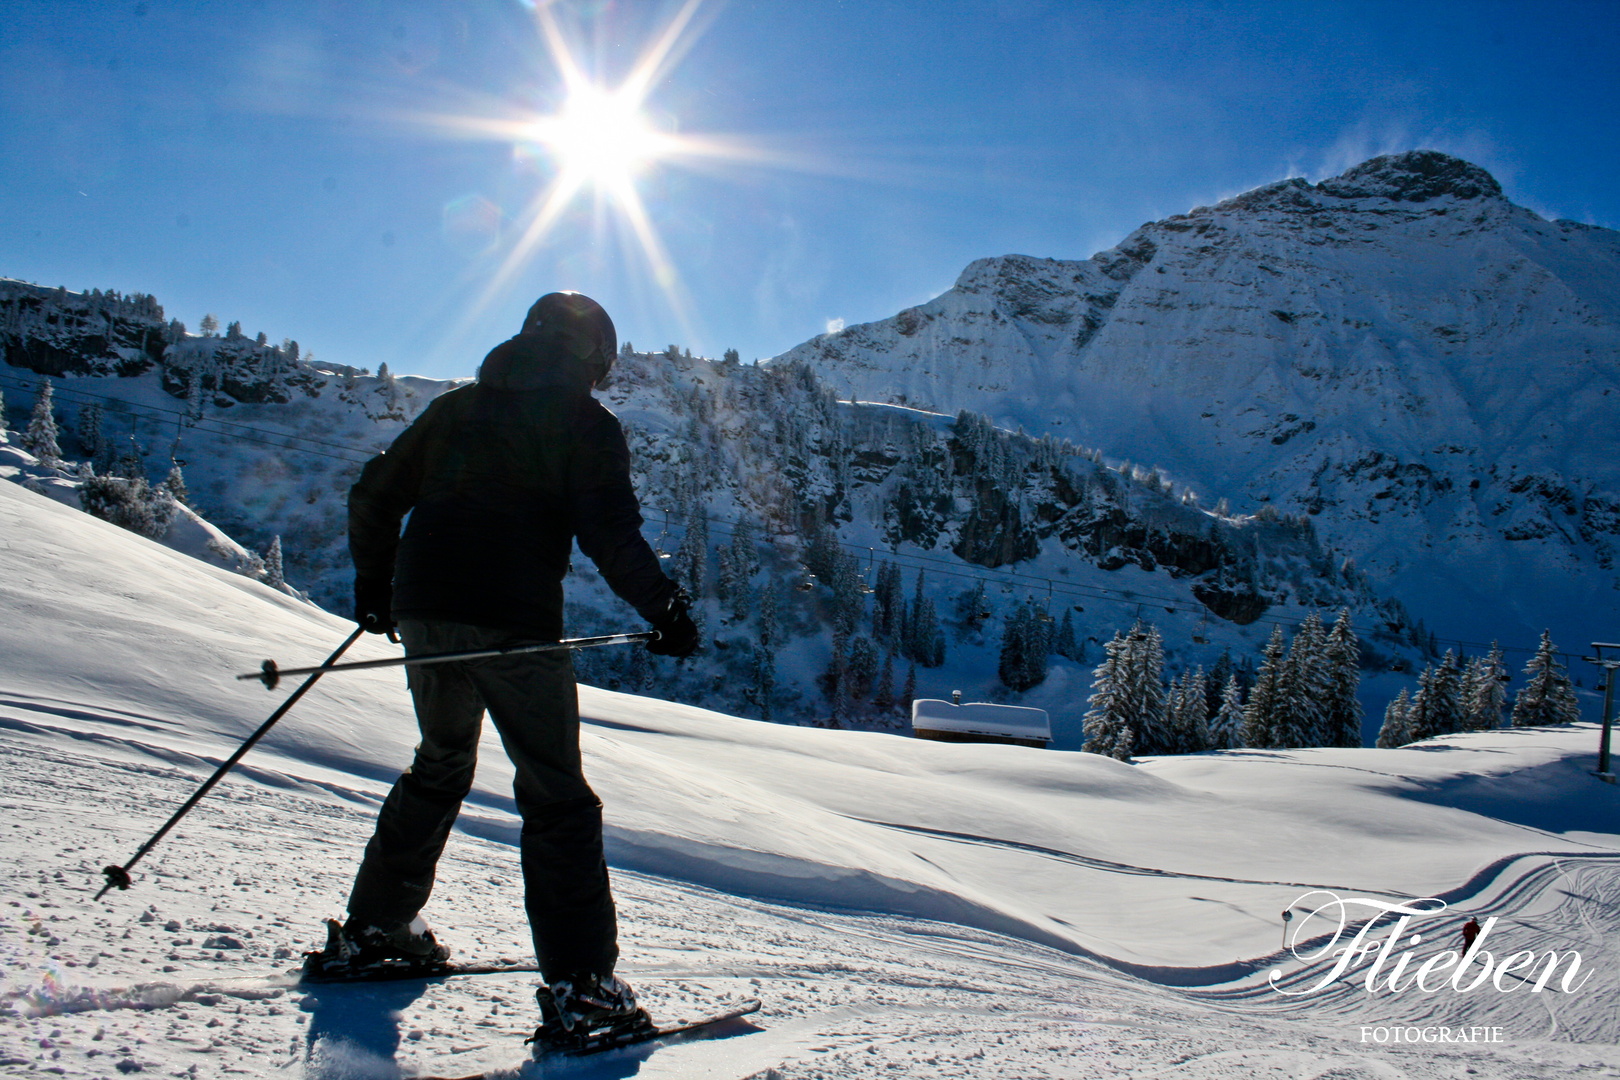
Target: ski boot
x,y
362,951
587,1012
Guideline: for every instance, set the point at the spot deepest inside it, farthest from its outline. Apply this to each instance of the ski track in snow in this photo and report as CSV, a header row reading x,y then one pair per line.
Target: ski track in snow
x,y
183,975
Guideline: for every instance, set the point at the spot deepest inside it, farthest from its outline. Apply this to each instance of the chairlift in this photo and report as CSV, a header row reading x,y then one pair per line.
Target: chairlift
x,y
658,545
1198,635
1046,608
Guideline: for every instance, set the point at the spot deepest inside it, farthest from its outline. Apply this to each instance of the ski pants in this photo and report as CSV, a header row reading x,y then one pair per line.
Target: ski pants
x,y
535,705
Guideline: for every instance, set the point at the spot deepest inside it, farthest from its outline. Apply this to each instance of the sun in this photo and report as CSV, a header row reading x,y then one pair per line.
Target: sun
x,y
602,145
600,138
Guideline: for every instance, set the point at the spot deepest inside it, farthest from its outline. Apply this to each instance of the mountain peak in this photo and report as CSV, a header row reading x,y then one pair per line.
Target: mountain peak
x,y
1413,176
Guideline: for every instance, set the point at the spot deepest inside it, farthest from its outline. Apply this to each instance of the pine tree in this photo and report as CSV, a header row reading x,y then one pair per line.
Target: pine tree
x,y
1260,714
176,485
209,324
767,632
1547,696
1302,687
1023,650
640,674
1341,707
3,426
1014,639
1396,730
1189,716
1484,691
1149,722
273,576
1107,722
1436,708
1226,731
725,578
1219,673
863,667
692,556
40,439
1066,644
92,443
908,693
883,698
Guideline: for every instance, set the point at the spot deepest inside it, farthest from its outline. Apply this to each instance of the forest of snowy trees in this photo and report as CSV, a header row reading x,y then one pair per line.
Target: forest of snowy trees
x,y
1470,695
1303,694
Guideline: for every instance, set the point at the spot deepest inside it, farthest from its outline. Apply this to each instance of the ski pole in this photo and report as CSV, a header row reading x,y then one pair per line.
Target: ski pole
x,y
119,875
269,674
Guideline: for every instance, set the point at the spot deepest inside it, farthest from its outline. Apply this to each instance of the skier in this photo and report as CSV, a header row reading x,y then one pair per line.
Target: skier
x,y
1470,931
499,478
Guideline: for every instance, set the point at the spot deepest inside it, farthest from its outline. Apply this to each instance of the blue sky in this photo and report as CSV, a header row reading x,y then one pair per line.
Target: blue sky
x,y
269,162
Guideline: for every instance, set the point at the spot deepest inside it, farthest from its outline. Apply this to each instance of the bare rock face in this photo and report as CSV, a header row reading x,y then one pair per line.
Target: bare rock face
x,y
1427,370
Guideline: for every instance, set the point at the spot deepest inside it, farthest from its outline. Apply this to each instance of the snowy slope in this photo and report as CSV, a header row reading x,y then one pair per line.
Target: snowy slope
x,y
1429,370
921,908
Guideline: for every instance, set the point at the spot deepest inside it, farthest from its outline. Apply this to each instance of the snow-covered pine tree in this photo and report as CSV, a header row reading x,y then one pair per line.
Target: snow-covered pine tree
x,y
1066,644
725,577
767,632
1418,720
87,430
1395,731
1188,712
1107,723
923,641
1341,707
40,438
883,695
1144,691
908,692
1014,642
1215,684
691,561
1485,691
1302,688
1437,707
3,426
1260,713
888,606
1547,696
638,674
273,575
1226,730
863,667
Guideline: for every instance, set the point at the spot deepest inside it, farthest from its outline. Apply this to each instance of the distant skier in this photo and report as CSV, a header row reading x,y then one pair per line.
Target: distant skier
x,y
499,478
1470,931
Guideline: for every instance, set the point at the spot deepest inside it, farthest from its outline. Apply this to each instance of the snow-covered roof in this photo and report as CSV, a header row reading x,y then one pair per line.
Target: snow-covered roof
x,y
981,718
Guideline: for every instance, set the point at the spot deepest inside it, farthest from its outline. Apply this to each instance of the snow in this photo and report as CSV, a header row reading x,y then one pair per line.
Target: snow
x,y
1430,378
902,907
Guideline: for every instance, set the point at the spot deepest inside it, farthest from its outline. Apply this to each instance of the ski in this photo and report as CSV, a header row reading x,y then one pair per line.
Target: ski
x,y
603,1041
339,963
397,970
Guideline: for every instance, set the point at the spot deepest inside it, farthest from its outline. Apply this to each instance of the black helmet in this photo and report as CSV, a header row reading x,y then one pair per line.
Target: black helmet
x,y
577,323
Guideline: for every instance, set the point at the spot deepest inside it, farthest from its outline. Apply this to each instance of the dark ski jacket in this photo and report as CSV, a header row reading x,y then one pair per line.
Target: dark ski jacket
x,y
499,478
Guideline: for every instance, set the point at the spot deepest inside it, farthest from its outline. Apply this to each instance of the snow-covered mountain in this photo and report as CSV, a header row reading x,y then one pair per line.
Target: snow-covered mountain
x,y
902,907
1428,371
779,505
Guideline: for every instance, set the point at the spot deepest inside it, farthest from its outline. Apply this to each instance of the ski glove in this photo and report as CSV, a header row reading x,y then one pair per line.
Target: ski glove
x,y
373,606
677,633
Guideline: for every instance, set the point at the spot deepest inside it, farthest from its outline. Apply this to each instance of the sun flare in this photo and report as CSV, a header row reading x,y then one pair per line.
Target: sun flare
x,y
600,138
600,145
